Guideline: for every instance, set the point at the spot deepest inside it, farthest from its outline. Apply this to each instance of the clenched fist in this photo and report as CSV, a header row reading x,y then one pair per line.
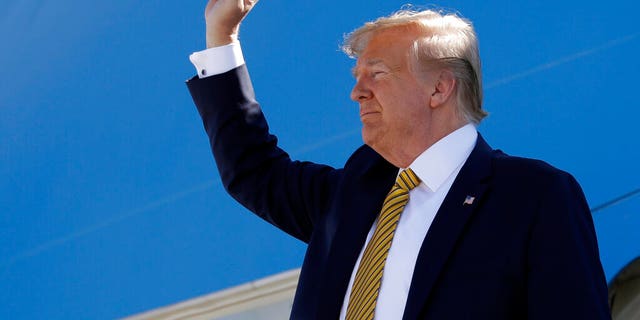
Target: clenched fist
x,y
223,19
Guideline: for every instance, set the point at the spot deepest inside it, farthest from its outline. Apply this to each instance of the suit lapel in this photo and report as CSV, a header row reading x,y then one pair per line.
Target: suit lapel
x,y
360,204
447,226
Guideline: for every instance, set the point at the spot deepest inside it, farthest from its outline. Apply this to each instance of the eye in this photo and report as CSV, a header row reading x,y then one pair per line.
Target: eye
x,y
377,73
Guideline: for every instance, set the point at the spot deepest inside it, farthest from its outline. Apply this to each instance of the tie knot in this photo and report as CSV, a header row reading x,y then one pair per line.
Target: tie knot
x,y
407,179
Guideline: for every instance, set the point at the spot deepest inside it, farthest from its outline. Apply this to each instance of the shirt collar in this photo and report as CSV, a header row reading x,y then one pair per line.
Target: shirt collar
x,y
438,162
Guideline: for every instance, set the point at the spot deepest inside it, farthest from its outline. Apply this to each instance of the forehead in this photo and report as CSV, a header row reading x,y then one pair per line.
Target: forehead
x,y
387,46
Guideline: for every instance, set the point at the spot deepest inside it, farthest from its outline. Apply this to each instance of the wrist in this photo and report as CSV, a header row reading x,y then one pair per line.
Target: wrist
x,y
216,37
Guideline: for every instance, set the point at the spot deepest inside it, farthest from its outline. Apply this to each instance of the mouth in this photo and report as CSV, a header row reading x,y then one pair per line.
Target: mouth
x,y
364,113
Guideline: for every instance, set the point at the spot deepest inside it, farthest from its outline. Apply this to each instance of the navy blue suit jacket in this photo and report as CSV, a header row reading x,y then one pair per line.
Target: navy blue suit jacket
x,y
524,249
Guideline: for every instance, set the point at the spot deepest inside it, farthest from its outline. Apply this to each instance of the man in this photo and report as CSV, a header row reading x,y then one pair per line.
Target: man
x,y
466,232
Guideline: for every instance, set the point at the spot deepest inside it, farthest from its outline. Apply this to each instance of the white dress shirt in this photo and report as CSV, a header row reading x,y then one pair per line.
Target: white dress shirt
x,y
437,168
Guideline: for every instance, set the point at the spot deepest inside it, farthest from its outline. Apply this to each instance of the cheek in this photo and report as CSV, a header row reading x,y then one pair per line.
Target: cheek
x,y
416,96
410,103
402,97
392,96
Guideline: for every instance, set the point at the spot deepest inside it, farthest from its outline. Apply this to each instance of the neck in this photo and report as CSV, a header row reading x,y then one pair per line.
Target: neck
x,y
403,157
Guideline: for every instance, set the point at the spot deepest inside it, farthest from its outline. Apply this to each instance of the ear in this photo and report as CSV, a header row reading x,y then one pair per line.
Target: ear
x,y
443,89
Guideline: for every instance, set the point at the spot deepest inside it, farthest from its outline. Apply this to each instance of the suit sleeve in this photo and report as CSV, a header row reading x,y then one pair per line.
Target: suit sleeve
x,y
566,280
289,194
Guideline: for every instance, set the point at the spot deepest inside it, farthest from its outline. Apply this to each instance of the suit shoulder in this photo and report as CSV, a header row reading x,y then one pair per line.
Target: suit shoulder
x,y
544,185
527,169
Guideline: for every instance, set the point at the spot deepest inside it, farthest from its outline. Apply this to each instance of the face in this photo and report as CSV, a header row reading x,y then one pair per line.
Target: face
x,y
394,104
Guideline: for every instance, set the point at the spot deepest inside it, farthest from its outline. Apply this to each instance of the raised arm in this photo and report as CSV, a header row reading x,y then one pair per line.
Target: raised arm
x,y
292,195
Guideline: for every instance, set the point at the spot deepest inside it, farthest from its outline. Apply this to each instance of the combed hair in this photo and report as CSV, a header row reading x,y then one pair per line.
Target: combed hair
x,y
447,40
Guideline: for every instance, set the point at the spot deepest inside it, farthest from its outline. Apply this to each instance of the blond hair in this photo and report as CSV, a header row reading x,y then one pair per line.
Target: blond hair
x,y
446,40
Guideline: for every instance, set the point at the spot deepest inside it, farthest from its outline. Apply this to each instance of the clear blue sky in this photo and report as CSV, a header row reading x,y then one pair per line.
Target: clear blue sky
x,y
110,202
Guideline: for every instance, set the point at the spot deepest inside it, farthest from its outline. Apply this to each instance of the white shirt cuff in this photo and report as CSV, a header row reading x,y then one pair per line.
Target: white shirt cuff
x,y
217,60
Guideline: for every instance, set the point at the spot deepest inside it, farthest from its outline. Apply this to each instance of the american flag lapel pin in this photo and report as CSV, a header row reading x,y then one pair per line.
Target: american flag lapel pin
x,y
468,200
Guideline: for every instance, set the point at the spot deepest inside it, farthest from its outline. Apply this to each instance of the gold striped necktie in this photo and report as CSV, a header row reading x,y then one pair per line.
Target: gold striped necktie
x,y
364,292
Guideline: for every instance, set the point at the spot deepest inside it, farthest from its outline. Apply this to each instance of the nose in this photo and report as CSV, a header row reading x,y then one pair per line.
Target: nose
x,y
360,92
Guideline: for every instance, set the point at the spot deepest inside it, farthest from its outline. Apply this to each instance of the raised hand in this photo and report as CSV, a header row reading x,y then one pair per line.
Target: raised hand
x,y
223,19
